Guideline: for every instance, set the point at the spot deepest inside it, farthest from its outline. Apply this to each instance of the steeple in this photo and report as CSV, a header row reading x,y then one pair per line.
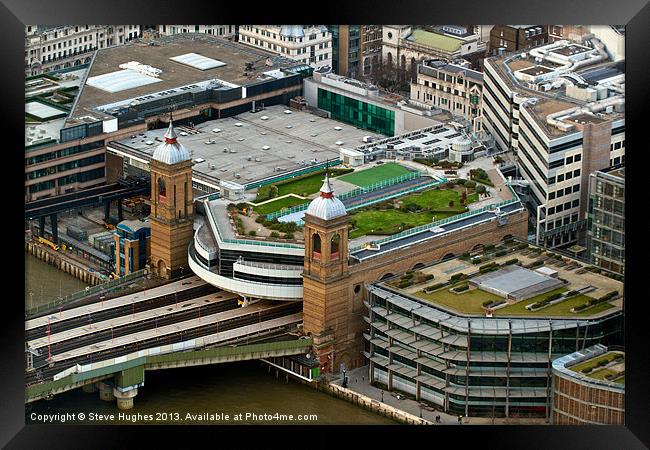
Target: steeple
x,y
170,136
326,190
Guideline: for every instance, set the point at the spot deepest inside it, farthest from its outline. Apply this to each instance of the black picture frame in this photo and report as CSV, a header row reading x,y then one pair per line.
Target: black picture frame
x,y
15,14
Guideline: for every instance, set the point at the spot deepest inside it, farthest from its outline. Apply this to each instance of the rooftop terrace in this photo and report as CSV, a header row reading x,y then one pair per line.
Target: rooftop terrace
x,y
596,365
448,285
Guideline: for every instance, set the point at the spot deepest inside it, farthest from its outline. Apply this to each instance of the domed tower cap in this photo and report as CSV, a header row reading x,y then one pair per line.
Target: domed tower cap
x,y
170,151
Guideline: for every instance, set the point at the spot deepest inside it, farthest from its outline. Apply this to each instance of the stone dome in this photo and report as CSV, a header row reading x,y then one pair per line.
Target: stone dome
x,y
171,151
326,206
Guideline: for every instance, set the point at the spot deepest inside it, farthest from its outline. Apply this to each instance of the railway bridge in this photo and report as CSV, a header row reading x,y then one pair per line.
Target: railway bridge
x,y
108,345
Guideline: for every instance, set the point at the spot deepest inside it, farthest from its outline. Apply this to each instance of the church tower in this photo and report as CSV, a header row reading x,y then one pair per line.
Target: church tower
x,y
325,277
172,207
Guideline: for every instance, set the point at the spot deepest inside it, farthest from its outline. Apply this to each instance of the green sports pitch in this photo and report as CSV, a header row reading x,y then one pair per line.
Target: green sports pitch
x,y
377,174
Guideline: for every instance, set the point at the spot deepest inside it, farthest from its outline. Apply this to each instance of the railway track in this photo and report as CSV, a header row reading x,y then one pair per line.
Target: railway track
x,y
275,310
124,310
123,330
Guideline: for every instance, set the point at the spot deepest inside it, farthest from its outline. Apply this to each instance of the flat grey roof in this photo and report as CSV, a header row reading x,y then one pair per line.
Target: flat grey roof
x,y
516,281
234,55
308,137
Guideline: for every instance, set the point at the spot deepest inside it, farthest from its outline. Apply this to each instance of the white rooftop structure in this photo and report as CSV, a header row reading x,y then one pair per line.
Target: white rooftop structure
x,y
171,151
121,80
326,206
198,61
516,282
42,111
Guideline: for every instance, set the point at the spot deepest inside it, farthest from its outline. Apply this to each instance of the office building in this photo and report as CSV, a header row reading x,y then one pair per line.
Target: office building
x,y
129,90
356,49
307,44
560,108
132,246
441,84
347,43
365,106
589,387
228,31
512,38
606,223
478,339
53,48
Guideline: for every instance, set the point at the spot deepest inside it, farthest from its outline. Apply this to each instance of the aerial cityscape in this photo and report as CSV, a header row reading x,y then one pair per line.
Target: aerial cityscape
x,y
388,224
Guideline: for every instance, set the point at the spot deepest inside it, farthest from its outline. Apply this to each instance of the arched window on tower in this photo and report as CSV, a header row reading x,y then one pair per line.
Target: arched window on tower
x,y
335,245
162,191
315,246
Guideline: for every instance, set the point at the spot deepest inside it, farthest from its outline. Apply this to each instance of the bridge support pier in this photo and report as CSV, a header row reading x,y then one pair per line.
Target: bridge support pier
x,y
89,388
105,391
125,398
41,224
119,210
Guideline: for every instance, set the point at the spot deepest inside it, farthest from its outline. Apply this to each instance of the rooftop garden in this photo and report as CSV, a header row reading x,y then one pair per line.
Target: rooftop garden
x,y
479,175
303,185
246,225
603,367
455,292
394,216
377,174
279,204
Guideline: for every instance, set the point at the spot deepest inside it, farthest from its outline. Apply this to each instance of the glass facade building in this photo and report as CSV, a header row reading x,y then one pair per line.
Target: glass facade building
x,y
475,365
606,219
346,36
356,112
132,246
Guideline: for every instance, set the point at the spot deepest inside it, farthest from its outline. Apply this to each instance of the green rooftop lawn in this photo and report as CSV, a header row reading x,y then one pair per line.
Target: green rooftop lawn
x,y
594,362
600,374
439,199
471,302
392,221
304,185
376,174
278,204
561,308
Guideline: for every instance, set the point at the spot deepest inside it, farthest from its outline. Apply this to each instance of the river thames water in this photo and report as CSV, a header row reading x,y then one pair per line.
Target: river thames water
x,y
192,395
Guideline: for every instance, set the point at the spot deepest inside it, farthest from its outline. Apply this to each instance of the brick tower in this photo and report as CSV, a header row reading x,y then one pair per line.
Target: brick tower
x,y
172,207
325,279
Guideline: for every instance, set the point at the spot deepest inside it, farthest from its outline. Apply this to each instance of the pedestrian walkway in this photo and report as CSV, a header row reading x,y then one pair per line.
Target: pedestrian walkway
x,y
358,381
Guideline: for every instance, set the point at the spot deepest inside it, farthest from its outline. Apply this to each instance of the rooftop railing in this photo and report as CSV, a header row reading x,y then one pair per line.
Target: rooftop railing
x,y
434,224
350,194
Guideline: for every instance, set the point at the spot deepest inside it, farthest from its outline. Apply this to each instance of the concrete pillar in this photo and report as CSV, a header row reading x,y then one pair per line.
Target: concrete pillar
x,y
55,230
119,210
89,388
105,391
41,224
107,211
125,398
